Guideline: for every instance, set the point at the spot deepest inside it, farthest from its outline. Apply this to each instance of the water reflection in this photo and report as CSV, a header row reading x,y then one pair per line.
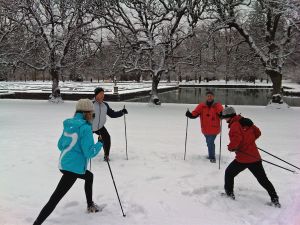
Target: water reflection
x,y
231,96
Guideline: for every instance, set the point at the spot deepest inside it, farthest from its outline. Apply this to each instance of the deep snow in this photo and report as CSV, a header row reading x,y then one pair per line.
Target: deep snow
x,y
156,186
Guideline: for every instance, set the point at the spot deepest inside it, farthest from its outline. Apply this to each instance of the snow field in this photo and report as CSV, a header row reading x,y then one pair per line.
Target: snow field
x,y
156,186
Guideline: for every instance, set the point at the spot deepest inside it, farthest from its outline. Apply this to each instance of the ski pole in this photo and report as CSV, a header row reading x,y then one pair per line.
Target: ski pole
x,y
125,134
220,144
279,158
267,162
115,187
186,130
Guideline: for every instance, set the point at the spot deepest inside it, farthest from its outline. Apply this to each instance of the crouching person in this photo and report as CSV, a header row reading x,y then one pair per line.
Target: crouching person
x,y
77,147
242,136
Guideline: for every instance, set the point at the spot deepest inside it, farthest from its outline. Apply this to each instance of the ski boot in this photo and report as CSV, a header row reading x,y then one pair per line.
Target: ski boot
x,y
93,208
275,202
228,195
212,160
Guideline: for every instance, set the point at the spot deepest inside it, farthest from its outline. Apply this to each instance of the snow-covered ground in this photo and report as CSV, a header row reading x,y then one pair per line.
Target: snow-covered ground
x,y
156,186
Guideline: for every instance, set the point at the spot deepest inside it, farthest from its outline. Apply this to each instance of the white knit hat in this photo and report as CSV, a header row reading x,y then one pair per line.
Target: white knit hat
x,y
84,105
228,112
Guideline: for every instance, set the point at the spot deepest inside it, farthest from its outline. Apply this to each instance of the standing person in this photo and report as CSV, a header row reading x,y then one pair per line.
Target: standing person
x,y
77,147
210,121
242,136
101,110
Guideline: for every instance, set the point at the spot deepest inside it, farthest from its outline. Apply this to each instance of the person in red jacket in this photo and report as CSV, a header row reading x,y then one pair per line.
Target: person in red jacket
x,y
210,121
242,136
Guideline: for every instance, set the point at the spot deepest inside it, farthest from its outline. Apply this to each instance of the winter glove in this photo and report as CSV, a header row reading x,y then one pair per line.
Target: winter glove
x,y
124,111
220,115
100,139
190,115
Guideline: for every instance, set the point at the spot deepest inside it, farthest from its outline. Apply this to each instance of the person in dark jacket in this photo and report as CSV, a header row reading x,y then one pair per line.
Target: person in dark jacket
x,y
208,112
101,110
242,135
77,147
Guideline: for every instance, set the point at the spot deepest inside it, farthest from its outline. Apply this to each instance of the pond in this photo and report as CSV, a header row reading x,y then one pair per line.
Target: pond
x,y
227,96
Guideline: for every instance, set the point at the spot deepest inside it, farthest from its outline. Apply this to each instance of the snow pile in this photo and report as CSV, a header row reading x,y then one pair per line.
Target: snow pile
x,y
156,186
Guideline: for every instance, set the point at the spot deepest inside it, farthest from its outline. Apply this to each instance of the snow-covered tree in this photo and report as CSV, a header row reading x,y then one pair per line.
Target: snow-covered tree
x,y
55,30
274,38
11,40
148,31
221,54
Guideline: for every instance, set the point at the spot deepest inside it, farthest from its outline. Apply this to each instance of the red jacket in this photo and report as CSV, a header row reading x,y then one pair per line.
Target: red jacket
x,y
209,117
242,139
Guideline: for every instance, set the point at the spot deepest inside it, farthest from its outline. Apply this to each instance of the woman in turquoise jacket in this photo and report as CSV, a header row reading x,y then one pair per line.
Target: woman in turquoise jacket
x,y
77,147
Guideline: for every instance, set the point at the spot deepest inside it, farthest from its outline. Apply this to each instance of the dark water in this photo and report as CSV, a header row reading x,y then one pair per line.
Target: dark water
x,y
231,96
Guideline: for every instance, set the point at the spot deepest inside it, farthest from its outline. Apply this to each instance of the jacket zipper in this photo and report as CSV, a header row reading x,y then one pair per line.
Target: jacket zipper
x,y
99,115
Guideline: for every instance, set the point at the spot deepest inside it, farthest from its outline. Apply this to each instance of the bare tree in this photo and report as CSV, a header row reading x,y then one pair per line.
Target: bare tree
x,y
147,31
54,30
11,40
278,25
214,55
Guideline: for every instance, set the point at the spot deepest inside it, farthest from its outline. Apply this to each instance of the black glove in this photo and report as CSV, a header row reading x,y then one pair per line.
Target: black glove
x,y
100,139
189,114
220,115
124,111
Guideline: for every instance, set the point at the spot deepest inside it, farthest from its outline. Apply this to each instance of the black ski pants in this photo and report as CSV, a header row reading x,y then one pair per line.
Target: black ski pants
x,y
66,182
255,168
105,139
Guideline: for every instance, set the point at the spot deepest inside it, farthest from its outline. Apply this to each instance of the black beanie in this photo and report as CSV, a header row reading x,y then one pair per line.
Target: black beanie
x,y
98,90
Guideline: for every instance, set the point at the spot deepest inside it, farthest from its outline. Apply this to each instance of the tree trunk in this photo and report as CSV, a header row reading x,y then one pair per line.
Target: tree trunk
x,y
55,80
34,75
276,78
13,74
154,92
43,75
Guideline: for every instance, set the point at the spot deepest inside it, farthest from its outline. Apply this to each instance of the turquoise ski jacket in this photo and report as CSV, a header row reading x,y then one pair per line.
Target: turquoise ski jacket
x,y
77,145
